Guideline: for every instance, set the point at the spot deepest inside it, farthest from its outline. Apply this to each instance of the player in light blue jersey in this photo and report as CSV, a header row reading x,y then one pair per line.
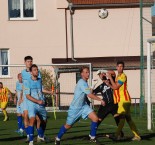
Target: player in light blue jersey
x,y
28,60
19,101
35,102
79,108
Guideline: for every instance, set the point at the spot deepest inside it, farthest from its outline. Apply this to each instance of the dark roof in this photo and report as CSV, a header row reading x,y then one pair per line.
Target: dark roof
x,y
108,1
130,61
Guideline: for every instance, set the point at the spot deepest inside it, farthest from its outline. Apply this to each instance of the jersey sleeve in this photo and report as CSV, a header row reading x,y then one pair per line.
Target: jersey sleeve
x,y
84,87
26,86
122,79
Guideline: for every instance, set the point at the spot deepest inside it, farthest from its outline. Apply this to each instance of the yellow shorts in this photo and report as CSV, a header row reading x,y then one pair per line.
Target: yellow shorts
x,y
124,108
3,105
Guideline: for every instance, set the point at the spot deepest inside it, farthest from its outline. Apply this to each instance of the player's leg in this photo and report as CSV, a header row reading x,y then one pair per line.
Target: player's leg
x,y
3,107
21,127
73,116
102,114
26,118
26,123
88,112
132,124
32,116
42,115
113,111
121,111
37,123
93,117
19,117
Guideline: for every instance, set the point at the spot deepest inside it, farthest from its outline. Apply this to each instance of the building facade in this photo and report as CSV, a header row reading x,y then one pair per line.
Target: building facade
x,y
42,29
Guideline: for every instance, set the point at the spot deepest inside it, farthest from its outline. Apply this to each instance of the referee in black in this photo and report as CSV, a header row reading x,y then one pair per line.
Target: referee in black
x,y
107,96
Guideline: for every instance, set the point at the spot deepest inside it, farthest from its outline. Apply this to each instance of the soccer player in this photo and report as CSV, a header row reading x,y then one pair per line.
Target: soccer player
x,y
5,93
35,102
28,60
19,101
122,96
79,108
107,96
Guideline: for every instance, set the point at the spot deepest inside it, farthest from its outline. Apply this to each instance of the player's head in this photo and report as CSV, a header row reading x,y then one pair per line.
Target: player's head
x,y
84,71
28,60
1,85
19,76
120,66
101,75
34,70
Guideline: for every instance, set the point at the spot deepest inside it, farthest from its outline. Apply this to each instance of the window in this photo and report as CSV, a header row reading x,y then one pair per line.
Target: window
x,y
4,61
78,76
21,9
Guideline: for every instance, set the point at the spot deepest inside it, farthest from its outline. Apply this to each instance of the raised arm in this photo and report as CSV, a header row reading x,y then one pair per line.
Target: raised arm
x,y
114,85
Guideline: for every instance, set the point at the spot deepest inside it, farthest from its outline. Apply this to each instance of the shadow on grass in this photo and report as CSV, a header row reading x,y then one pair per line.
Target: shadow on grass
x,y
148,136
12,138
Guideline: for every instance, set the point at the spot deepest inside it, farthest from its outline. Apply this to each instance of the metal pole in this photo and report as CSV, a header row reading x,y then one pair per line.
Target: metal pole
x,y
149,86
71,32
141,60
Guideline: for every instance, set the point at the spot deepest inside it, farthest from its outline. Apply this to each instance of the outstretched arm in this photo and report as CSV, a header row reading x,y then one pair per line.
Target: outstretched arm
x,y
92,96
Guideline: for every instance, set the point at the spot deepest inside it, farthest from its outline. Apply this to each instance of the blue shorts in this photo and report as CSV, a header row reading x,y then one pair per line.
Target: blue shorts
x,y
36,109
75,114
19,108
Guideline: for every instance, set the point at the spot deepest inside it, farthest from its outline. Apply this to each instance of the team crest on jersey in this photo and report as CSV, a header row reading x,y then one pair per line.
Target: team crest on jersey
x,y
105,89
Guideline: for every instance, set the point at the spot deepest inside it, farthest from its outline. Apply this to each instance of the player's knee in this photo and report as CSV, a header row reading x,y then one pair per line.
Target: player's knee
x,y
25,117
95,119
67,126
32,121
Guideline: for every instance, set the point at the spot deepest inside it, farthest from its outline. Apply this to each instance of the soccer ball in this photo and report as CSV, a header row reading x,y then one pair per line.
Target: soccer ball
x,y
103,13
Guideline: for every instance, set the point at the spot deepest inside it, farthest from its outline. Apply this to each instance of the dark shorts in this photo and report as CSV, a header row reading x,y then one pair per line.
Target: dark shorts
x,y
106,110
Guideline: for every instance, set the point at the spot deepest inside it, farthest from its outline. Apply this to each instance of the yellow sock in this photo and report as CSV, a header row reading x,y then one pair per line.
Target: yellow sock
x,y
133,128
5,114
120,127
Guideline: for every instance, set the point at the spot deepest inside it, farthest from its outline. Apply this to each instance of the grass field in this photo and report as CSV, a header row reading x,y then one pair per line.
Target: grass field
x,y
78,134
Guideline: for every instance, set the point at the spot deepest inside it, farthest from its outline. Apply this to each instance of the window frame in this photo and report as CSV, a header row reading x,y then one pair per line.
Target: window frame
x,y
21,11
5,76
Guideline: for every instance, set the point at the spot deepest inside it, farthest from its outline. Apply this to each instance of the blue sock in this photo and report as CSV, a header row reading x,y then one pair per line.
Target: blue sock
x,y
23,127
27,130
93,129
61,132
40,132
31,133
19,120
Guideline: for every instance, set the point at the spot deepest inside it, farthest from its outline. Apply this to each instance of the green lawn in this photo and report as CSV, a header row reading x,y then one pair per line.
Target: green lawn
x,y
78,134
